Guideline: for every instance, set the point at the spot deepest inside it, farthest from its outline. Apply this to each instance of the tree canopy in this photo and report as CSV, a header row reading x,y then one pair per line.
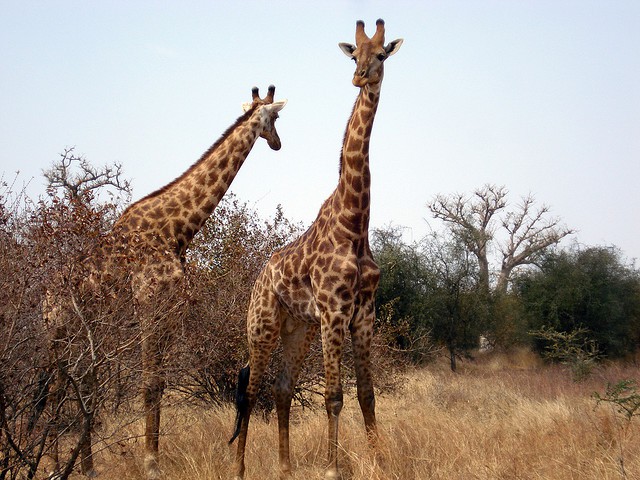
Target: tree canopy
x,y
591,288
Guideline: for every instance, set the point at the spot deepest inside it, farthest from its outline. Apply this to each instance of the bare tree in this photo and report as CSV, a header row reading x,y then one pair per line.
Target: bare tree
x,y
472,221
77,177
53,388
86,353
476,219
530,232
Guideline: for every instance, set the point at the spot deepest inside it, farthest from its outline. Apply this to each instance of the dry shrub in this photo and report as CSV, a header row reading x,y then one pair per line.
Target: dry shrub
x,y
85,359
224,260
22,349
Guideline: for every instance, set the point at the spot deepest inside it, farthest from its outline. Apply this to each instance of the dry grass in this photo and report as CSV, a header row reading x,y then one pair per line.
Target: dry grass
x,y
499,418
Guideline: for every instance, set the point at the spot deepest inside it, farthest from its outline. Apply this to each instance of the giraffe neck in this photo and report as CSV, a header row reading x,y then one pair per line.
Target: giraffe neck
x,y
352,196
178,211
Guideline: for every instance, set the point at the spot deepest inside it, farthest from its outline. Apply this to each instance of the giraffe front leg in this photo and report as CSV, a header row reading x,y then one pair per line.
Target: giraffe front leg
x,y
158,298
152,389
152,396
332,340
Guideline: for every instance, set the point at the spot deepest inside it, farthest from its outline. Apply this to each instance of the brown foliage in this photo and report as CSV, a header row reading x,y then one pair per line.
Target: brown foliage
x,y
61,381
57,377
224,261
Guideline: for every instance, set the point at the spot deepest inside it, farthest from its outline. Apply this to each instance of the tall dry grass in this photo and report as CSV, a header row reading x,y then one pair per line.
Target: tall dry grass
x,y
498,418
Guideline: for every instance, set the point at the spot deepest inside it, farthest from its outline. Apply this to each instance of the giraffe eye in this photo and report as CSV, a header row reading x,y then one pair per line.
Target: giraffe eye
x,y
381,56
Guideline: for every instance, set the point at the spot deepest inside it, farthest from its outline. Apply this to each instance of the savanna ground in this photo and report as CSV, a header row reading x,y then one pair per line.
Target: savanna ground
x,y
499,417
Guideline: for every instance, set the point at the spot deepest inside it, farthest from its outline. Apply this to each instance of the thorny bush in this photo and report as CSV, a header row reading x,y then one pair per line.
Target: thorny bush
x,y
58,382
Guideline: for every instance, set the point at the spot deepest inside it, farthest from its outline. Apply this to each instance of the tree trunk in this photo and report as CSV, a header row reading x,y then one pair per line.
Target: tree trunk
x,y
483,275
503,280
452,358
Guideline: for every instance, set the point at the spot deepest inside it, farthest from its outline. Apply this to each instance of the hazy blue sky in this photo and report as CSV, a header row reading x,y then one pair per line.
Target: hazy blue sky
x,y
540,96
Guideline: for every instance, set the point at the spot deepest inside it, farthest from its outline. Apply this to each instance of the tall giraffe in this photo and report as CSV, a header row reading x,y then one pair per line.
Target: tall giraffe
x,y
325,279
151,238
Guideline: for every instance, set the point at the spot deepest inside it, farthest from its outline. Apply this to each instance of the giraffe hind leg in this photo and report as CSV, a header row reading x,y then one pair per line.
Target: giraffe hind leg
x,y
362,335
254,373
263,326
295,345
332,345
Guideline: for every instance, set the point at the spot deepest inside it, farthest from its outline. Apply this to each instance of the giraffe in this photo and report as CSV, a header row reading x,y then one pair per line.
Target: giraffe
x,y
326,279
151,238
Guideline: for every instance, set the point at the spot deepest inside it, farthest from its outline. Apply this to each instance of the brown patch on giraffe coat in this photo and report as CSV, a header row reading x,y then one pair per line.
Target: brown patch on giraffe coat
x,y
356,163
197,219
223,164
156,213
186,200
364,201
197,192
178,226
329,282
356,183
208,206
354,145
212,178
351,200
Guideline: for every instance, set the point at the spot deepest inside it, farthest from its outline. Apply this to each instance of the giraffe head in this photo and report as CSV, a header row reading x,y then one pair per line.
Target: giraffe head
x,y
369,54
268,110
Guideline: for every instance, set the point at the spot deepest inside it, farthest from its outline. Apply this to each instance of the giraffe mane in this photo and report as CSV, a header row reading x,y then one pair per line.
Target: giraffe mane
x,y
344,137
205,155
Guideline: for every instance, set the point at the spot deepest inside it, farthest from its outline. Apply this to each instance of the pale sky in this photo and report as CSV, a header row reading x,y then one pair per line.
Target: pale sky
x,y
540,96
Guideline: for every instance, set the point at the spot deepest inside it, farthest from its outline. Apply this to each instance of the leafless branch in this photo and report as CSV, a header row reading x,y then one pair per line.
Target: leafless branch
x,y
76,176
473,221
529,233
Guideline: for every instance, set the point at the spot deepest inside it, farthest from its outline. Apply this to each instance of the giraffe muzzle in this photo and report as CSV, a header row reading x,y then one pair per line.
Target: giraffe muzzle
x,y
360,81
274,143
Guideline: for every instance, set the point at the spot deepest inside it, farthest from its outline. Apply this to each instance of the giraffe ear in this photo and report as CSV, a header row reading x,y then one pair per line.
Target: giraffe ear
x,y
347,48
275,107
246,106
393,47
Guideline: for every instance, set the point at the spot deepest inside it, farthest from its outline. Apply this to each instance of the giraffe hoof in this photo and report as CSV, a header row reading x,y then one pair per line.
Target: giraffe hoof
x,y
332,474
152,469
284,474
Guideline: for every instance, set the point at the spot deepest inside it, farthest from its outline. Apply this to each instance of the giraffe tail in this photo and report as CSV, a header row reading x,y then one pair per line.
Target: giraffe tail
x,y
242,402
